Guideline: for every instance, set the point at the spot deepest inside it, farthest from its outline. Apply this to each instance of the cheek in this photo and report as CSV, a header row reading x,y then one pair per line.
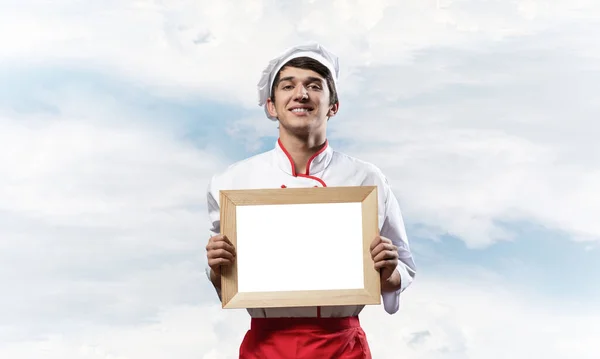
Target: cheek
x,y
280,107
281,101
323,100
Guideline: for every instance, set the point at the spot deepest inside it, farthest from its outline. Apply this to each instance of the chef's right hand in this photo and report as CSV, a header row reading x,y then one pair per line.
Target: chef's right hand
x,y
219,252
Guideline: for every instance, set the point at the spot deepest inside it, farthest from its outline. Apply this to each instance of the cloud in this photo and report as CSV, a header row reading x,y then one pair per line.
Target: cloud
x,y
156,43
182,332
479,135
483,142
478,114
441,317
102,218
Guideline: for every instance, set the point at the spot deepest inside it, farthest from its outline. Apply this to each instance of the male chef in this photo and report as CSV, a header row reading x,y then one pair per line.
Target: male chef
x,y
299,90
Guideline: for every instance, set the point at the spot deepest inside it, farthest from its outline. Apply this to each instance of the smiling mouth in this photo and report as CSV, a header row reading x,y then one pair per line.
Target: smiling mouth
x,y
301,110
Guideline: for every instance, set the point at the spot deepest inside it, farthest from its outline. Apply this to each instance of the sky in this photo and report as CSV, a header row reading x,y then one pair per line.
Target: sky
x,y
114,115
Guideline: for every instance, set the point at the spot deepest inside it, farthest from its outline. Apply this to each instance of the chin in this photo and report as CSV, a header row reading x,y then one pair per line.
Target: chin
x,y
301,121
298,130
300,125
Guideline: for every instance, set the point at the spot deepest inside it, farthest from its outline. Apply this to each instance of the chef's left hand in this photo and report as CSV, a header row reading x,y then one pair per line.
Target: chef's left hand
x,y
385,257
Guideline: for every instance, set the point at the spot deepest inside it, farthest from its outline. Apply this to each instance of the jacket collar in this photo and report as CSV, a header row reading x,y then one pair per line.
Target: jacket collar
x,y
316,164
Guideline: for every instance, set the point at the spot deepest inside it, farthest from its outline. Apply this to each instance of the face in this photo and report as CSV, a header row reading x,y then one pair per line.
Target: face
x,y
301,101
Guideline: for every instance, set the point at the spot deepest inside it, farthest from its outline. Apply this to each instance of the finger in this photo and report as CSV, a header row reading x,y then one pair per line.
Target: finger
x,y
219,262
385,239
224,238
219,238
386,255
383,247
220,253
390,263
215,238
221,245
375,242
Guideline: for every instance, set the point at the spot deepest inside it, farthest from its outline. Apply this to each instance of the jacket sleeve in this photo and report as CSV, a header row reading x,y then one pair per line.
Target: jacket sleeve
x,y
393,228
214,217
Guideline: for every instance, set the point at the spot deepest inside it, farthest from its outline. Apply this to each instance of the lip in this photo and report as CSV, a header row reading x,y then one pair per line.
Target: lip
x,y
301,113
308,108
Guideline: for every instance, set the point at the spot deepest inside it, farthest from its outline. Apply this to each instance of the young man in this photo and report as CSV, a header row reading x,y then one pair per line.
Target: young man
x,y
299,89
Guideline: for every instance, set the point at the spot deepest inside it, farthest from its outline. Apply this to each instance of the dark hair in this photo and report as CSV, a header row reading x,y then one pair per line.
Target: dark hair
x,y
308,63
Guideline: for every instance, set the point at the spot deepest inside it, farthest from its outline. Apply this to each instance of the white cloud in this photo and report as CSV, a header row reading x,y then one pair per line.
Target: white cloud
x,y
439,318
499,134
220,48
250,130
102,218
479,131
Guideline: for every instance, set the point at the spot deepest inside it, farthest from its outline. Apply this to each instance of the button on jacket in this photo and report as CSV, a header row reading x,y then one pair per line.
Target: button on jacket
x,y
275,169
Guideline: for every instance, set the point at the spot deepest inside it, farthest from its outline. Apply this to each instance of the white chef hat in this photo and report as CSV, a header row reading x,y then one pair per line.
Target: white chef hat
x,y
312,50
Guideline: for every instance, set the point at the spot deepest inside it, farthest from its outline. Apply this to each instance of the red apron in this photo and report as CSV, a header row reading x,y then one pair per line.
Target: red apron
x,y
305,338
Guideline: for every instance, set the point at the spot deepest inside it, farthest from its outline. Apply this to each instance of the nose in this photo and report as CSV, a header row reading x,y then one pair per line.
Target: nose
x,y
301,93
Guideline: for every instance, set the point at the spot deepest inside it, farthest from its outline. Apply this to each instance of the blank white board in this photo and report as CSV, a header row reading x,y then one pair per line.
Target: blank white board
x,y
279,250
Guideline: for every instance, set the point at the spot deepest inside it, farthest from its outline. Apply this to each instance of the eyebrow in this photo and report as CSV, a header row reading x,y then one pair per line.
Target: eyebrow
x,y
310,79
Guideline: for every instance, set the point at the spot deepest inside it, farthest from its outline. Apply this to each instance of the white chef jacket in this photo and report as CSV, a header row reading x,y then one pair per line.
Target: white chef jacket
x,y
275,169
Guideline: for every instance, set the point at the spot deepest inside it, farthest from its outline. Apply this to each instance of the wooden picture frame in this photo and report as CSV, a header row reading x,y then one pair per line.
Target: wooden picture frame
x,y
328,247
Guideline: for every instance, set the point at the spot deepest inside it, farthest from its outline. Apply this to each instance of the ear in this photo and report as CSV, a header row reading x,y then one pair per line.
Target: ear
x,y
271,108
333,110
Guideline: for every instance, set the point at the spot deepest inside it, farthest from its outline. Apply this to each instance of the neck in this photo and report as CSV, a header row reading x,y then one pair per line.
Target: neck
x,y
302,149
